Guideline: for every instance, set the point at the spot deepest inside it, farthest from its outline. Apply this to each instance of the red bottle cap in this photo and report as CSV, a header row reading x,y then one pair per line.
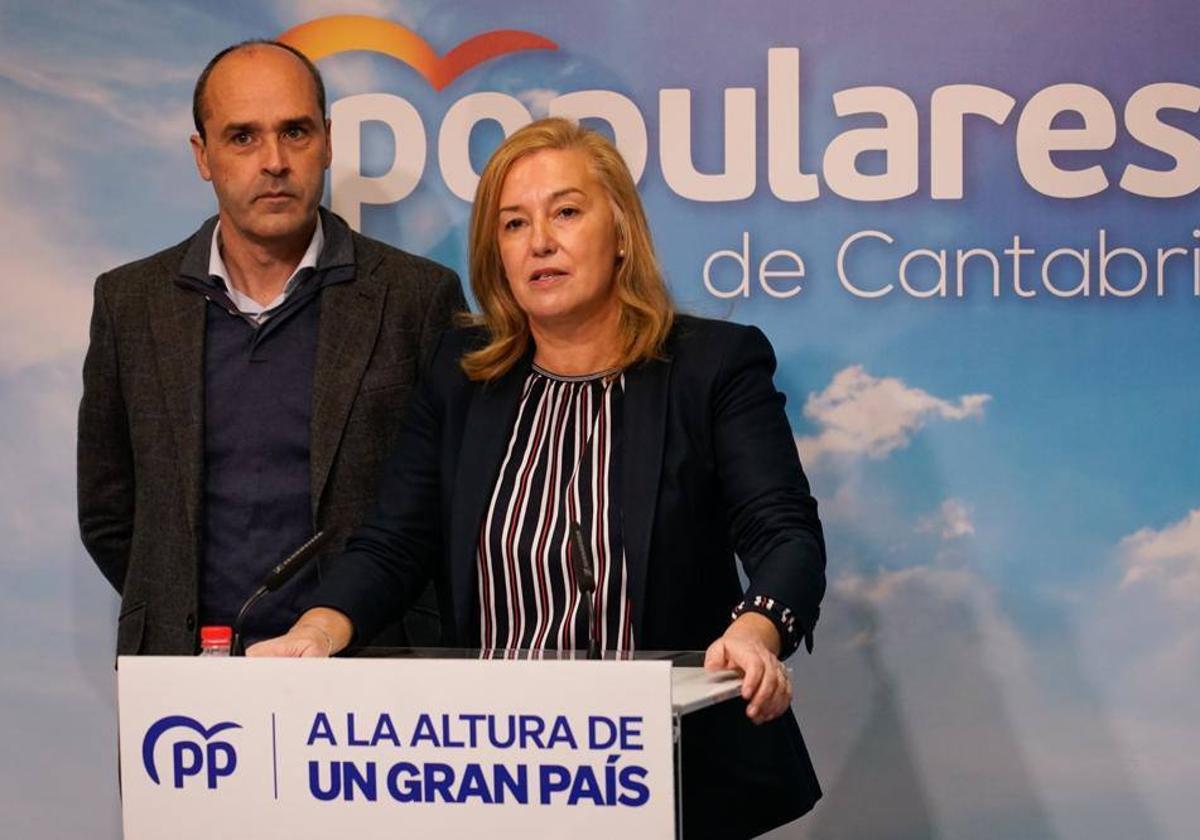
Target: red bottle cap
x,y
216,635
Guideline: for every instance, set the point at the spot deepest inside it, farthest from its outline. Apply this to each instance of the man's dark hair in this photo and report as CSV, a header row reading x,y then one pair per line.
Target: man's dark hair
x,y
202,82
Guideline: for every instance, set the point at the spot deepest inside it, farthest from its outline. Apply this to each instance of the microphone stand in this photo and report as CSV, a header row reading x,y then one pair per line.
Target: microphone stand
x,y
284,571
236,648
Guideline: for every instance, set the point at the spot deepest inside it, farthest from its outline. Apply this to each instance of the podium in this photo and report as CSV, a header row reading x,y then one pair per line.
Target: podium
x,y
412,743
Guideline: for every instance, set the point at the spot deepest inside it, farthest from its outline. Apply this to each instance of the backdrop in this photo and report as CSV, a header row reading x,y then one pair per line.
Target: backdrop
x,y
969,229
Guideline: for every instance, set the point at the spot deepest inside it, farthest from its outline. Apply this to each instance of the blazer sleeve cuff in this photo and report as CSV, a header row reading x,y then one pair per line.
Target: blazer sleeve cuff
x,y
791,633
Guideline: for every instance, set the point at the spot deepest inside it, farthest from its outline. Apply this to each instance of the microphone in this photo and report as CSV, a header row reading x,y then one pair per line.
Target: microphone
x,y
585,577
284,571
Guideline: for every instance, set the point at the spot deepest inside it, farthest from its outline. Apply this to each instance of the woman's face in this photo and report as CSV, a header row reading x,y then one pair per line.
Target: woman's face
x,y
558,240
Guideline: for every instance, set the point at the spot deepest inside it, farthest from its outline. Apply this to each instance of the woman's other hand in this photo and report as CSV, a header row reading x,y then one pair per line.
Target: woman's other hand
x,y
320,632
751,645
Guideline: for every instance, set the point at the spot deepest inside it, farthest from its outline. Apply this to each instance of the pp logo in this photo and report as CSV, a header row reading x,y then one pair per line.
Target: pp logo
x,y
216,759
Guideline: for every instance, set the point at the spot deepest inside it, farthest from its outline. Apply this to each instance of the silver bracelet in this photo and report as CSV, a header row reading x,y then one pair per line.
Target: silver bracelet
x,y
323,632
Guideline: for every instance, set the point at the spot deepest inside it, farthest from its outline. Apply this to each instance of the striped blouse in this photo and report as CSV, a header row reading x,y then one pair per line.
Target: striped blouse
x,y
562,465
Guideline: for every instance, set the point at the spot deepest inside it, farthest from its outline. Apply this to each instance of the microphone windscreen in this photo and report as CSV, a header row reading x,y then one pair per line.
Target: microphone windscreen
x,y
294,562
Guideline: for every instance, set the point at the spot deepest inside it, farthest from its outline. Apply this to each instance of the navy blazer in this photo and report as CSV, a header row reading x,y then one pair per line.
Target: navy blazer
x,y
710,472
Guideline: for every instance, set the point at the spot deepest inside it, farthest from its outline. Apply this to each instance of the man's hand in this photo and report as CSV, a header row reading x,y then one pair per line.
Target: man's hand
x,y
319,632
750,645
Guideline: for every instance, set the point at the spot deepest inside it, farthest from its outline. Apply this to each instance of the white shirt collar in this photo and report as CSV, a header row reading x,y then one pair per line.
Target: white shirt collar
x,y
247,305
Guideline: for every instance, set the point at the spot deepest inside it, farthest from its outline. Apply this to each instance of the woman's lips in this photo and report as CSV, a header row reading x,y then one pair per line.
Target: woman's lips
x,y
545,276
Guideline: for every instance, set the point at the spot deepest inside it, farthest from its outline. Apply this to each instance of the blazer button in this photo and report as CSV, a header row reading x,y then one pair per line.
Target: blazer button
x,y
191,622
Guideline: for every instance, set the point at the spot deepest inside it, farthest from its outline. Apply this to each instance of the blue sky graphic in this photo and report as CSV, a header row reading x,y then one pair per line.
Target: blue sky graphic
x,y
1008,484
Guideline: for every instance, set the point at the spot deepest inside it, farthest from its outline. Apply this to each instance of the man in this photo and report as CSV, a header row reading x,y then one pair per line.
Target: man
x,y
242,388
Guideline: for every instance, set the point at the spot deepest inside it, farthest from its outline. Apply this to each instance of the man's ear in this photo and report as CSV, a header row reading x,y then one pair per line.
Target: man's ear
x,y
328,143
200,150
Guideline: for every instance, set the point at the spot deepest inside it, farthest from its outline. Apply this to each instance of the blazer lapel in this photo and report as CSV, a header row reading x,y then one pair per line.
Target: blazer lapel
x,y
177,324
644,432
486,432
351,313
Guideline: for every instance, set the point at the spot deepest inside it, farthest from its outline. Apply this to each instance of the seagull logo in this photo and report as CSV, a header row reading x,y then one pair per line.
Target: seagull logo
x,y
342,33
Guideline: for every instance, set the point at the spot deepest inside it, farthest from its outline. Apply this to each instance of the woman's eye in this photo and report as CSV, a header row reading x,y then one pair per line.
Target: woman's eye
x,y
513,224
568,212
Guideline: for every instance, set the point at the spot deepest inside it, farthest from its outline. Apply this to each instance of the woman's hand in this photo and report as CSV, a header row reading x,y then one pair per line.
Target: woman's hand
x,y
750,645
319,632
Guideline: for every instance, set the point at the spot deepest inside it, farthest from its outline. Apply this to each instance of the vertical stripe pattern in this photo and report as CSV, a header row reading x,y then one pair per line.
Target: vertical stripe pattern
x,y
562,465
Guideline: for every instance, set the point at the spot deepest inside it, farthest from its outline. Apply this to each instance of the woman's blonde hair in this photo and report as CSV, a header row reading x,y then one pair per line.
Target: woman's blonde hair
x,y
646,311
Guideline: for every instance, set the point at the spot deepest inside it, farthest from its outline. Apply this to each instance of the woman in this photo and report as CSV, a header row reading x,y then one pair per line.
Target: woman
x,y
581,399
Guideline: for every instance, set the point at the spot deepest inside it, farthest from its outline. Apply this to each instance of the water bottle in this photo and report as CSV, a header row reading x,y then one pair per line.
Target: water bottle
x,y
216,640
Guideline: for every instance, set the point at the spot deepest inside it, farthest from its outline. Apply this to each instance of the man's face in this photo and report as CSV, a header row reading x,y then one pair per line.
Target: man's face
x,y
266,145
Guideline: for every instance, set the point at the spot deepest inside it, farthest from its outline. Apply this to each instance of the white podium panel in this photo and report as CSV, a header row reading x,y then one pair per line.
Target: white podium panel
x,y
384,748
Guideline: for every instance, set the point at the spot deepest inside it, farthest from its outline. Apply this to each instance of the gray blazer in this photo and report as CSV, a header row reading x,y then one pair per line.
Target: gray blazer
x,y
140,445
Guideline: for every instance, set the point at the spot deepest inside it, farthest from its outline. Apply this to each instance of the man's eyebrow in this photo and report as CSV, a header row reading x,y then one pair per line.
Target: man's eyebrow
x,y
238,128
557,194
303,121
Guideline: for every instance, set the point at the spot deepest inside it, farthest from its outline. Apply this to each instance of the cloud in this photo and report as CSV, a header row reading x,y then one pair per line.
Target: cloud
x,y
1070,710
951,521
294,12
348,74
927,601
1169,558
538,100
54,256
48,317
1140,632
90,81
924,659
49,270
147,98
1009,732
861,415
